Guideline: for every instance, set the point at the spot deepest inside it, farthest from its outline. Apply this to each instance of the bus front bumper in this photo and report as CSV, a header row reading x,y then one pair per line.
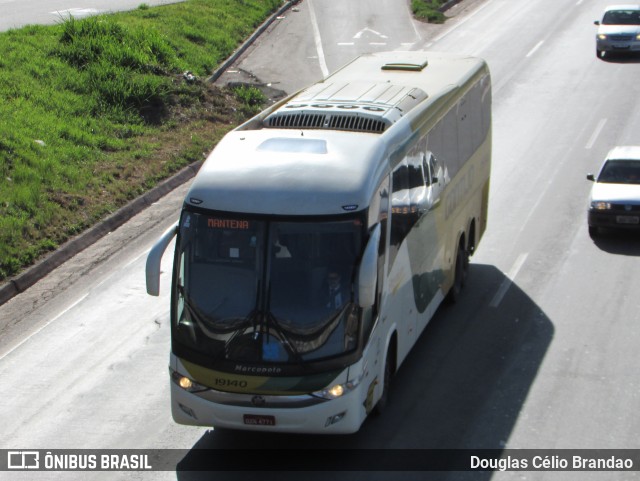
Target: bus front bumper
x,y
337,416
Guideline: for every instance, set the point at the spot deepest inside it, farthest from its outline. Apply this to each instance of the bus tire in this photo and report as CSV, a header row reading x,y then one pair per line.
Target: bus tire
x,y
461,270
383,402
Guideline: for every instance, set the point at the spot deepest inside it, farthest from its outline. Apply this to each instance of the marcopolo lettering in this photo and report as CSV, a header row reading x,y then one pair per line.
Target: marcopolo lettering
x,y
258,369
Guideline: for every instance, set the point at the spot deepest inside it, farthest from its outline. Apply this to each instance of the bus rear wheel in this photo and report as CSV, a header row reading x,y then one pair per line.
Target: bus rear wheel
x,y
461,270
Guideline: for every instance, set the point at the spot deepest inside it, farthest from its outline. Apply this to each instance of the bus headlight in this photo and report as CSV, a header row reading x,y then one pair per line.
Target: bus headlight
x,y
333,392
602,36
600,205
337,390
186,383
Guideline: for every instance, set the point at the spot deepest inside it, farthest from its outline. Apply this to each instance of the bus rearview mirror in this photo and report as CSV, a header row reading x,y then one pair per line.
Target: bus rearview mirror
x,y
154,259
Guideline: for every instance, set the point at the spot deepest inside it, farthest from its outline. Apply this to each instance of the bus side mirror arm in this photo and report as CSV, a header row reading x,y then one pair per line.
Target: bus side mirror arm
x,y
368,273
155,257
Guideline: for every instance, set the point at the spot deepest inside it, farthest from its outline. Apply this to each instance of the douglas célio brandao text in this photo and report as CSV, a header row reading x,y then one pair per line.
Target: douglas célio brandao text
x,y
551,462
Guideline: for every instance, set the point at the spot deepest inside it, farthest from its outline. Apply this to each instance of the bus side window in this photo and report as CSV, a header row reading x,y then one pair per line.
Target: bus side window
x,y
433,169
427,169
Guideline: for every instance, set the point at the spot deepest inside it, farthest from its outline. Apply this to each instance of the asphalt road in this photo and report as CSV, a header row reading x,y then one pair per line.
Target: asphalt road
x,y
542,352
18,13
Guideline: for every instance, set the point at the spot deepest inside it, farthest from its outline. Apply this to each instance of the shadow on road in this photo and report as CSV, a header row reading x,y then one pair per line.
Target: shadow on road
x,y
620,242
462,387
621,57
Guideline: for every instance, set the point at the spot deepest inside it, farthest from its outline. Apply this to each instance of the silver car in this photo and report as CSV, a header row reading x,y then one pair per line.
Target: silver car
x,y
615,196
618,30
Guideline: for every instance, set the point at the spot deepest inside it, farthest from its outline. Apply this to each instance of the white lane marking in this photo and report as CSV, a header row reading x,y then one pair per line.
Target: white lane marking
x,y
43,326
534,49
507,281
346,44
367,29
318,40
459,24
596,133
413,22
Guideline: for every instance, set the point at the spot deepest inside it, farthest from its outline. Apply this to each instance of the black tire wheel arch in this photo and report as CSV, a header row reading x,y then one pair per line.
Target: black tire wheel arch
x,y
461,270
389,371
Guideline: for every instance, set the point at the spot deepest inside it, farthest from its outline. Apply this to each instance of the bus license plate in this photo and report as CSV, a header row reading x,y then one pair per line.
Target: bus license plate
x,y
627,219
259,420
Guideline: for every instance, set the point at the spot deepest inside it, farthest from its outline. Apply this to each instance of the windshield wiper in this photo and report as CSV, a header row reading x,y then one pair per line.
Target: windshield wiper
x,y
205,322
253,319
265,325
272,320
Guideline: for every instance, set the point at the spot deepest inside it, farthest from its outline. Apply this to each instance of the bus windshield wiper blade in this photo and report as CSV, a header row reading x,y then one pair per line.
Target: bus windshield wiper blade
x,y
250,319
212,327
293,351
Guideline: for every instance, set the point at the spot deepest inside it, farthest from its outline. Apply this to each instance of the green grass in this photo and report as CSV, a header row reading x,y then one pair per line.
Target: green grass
x,y
96,111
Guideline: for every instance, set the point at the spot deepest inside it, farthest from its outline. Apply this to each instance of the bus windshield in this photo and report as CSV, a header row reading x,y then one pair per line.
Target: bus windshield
x,y
266,291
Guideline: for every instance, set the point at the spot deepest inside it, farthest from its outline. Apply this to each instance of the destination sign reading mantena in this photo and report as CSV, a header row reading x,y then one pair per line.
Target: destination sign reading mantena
x,y
400,460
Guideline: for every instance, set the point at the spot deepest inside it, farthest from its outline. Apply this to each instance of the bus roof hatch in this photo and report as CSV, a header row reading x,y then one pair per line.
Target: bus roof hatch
x,y
412,67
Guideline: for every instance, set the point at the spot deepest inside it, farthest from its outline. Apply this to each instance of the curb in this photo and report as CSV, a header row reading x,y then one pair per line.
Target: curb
x,y
33,274
235,55
448,5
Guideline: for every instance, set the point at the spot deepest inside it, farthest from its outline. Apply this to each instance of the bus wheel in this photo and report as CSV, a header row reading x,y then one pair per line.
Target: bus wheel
x,y
383,402
461,270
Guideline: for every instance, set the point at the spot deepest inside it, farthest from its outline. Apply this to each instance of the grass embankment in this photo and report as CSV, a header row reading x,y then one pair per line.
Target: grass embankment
x,y
94,112
428,10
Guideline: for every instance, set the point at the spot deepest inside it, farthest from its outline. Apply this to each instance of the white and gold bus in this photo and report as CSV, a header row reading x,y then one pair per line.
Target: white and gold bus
x,y
374,183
